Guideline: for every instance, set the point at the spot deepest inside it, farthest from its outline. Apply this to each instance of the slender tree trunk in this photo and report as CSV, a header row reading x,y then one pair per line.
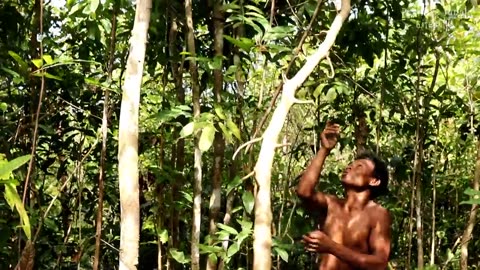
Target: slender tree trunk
x,y
467,233
101,178
197,186
128,140
410,231
219,142
262,242
178,150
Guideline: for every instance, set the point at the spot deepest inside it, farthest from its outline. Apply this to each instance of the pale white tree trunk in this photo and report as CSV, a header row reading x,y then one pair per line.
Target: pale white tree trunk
x,y
197,185
128,140
262,243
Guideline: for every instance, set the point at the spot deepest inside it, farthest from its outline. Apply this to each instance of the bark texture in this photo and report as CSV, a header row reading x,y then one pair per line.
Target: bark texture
x,y
197,186
128,140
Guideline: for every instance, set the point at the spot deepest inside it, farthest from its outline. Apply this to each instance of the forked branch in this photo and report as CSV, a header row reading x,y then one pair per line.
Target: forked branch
x,y
263,214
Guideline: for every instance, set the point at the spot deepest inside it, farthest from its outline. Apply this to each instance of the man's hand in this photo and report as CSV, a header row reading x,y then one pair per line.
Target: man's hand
x,y
329,136
317,241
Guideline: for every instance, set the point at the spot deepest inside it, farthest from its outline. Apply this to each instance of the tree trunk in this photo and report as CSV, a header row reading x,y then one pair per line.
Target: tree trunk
x,y
101,177
262,242
128,140
197,186
178,149
467,234
219,142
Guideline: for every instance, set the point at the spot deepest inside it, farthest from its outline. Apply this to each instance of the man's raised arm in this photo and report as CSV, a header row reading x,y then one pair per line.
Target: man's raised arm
x,y
306,187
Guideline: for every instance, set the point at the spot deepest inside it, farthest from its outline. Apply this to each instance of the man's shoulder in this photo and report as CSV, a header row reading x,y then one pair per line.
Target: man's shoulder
x,y
379,212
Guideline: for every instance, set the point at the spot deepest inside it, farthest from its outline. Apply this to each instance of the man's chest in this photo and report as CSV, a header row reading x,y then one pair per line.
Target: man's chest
x,y
349,229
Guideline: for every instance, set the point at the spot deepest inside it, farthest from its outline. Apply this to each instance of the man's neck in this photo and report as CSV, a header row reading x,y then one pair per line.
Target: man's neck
x,y
356,200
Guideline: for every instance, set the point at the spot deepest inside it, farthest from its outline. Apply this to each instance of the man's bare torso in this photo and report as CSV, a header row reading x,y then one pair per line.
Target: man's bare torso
x,y
350,228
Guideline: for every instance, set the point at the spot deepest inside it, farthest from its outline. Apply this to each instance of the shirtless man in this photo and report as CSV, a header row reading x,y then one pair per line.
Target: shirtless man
x,y
356,232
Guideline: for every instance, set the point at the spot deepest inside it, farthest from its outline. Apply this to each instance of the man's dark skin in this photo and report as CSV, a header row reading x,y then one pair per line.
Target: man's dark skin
x,y
356,233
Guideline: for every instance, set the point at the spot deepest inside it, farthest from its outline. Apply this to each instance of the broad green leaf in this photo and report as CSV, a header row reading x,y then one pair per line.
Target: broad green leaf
x,y
233,184
226,133
48,59
94,5
331,95
187,130
178,256
213,258
234,129
206,138
3,106
243,43
282,253
248,201
472,192
7,168
163,236
18,59
50,76
219,112
37,62
209,249
13,200
246,225
234,248
242,236
471,201
11,72
227,228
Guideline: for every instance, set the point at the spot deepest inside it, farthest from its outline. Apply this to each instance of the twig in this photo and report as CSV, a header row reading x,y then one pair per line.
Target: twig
x,y
248,175
35,130
246,144
298,101
110,245
329,61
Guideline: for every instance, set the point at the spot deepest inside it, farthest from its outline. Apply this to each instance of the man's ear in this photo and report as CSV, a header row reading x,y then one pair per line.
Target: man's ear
x,y
374,182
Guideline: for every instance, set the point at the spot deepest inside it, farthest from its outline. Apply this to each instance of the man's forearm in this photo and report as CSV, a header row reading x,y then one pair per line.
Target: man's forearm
x,y
310,176
357,259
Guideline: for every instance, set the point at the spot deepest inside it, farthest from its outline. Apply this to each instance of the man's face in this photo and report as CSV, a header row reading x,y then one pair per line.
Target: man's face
x,y
359,173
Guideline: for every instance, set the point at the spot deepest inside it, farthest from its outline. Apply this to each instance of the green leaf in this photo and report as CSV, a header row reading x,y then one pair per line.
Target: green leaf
x,y
471,201
245,44
178,256
187,130
246,225
94,5
6,169
213,258
37,62
13,200
48,59
207,137
282,253
472,192
248,201
209,249
234,248
227,228
233,184
219,112
163,236
242,236
226,133
331,95
18,59
234,129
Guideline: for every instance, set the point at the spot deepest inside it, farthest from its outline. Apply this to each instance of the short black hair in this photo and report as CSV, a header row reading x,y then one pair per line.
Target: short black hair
x,y
380,172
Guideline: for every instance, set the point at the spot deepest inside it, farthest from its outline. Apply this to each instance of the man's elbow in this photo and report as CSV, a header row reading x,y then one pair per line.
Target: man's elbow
x,y
304,194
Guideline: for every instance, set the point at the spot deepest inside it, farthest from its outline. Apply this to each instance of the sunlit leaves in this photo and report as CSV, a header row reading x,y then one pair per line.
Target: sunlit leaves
x,y
178,256
248,201
206,138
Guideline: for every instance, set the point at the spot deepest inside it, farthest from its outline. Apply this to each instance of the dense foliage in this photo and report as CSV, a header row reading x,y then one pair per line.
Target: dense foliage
x,y
401,80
